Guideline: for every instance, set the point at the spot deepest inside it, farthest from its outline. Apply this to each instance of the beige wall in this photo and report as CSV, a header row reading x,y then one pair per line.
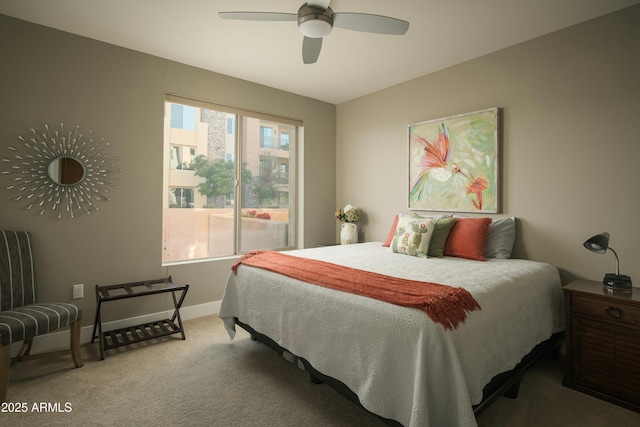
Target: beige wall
x,y
51,77
571,104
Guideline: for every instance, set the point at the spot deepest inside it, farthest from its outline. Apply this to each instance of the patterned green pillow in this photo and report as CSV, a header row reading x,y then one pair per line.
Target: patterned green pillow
x,y
412,237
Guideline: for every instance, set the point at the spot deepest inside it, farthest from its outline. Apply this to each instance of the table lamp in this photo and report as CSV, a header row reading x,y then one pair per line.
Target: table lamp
x,y
599,244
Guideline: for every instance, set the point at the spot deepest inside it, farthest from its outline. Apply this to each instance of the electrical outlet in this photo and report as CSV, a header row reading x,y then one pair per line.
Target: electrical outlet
x,y
78,291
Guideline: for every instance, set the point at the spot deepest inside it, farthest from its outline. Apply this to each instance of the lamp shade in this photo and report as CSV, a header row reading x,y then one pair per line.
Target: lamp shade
x,y
598,243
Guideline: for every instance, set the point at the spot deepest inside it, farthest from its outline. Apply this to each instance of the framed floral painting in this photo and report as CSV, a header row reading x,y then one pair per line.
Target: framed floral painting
x,y
454,163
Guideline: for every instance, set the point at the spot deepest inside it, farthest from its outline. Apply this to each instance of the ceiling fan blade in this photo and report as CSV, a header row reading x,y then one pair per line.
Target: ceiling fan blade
x,y
311,50
259,16
370,23
324,4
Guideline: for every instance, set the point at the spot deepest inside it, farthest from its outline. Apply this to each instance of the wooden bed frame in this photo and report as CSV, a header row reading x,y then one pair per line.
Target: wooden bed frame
x,y
506,384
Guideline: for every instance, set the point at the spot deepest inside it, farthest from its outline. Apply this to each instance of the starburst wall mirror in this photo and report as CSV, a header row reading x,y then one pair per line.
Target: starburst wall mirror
x,y
61,170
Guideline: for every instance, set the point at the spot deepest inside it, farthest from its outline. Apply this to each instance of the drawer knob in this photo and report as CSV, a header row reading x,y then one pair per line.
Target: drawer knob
x,y
613,312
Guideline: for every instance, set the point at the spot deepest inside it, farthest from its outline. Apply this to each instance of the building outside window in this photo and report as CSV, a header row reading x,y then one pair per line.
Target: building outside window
x,y
221,164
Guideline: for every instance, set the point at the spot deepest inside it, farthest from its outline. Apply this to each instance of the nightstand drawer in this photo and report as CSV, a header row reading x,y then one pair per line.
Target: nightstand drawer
x,y
602,309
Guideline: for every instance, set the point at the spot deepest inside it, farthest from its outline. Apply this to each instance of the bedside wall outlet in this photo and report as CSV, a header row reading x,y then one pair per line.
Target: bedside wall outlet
x,y
78,291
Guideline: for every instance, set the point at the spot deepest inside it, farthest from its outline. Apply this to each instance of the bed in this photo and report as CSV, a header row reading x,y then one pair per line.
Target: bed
x,y
397,362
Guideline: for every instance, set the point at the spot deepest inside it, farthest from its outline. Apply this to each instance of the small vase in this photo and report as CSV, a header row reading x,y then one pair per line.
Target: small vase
x,y
348,233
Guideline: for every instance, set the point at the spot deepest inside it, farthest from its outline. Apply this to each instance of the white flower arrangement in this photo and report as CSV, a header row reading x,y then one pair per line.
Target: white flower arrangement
x,y
348,214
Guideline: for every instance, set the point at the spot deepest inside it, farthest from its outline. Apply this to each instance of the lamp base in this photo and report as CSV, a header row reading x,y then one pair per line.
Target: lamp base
x,y
619,282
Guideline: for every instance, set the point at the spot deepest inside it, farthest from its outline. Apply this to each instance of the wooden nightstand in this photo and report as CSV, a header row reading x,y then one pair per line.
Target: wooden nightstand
x,y
603,342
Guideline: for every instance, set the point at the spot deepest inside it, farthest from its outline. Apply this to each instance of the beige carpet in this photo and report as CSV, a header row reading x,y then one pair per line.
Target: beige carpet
x,y
209,380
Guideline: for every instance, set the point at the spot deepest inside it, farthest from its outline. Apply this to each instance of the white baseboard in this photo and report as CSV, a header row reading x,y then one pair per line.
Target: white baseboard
x,y
60,340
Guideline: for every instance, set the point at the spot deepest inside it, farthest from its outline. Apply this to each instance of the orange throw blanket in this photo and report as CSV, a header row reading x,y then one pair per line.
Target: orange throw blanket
x,y
443,304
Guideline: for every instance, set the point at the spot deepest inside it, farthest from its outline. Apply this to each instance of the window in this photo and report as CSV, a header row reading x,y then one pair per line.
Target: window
x,y
181,157
183,117
228,189
181,197
266,137
284,141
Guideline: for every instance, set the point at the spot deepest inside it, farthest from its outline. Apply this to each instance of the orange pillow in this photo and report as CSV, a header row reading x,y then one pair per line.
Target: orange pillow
x,y
392,232
467,238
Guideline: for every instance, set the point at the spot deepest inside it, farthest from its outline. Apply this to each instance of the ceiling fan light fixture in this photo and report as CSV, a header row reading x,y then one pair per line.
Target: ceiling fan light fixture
x,y
314,22
315,28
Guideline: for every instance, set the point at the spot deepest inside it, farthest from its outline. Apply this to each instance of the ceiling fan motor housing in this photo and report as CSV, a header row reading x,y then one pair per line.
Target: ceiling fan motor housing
x,y
315,22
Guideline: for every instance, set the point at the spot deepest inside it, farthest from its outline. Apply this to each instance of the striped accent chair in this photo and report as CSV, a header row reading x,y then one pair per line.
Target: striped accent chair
x,y
21,316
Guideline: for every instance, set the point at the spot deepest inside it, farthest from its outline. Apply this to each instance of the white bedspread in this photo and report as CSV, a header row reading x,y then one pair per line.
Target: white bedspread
x,y
401,364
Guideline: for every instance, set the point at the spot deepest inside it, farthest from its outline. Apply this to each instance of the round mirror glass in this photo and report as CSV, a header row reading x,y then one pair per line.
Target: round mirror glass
x,y
66,170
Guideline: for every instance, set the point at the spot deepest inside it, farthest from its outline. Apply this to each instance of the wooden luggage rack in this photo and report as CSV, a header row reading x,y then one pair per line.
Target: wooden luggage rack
x,y
134,334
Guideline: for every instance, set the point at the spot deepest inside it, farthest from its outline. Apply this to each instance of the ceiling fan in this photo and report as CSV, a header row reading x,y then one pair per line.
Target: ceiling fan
x,y
316,19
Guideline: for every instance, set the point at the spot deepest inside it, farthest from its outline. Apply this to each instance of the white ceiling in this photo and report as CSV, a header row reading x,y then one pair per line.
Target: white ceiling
x,y
442,33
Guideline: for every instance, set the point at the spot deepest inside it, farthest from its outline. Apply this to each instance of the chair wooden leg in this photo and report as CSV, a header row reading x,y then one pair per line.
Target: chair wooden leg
x,y
74,331
25,349
23,352
5,369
